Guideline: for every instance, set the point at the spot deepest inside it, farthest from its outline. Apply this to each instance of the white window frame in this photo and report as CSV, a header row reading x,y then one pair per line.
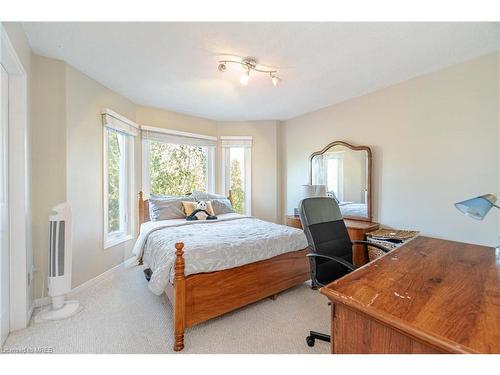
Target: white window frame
x,y
126,130
339,156
228,142
211,152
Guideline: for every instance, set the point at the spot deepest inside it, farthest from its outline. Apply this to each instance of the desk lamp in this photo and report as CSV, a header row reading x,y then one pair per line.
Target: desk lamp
x,y
478,207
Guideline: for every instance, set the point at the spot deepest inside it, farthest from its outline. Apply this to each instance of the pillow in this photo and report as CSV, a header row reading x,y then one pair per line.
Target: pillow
x,y
203,196
166,209
222,206
189,207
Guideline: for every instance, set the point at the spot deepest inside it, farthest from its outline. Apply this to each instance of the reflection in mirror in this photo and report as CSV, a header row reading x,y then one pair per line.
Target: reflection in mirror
x,y
345,173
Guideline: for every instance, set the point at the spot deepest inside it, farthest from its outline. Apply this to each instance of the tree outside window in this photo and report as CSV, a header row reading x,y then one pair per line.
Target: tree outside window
x,y
236,171
237,186
114,158
118,175
177,169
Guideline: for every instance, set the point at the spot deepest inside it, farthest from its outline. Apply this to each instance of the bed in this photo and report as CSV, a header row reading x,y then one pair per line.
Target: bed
x,y
209,268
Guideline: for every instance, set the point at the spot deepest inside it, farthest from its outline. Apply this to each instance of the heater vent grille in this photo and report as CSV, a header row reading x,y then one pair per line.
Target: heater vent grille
x,y
56,248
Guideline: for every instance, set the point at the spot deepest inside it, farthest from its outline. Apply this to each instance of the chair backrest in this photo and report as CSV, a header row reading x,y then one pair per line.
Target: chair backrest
x,y
327,235
324,227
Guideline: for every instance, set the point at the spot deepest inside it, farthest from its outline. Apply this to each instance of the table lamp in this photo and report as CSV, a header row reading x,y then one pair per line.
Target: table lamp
x,y
311,191
478,207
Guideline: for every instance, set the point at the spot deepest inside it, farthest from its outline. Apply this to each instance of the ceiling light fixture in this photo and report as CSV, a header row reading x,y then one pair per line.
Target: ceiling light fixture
x,y
249,64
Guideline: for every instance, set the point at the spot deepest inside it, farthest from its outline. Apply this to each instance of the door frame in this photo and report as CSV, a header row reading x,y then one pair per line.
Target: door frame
x,y
18,186
4,256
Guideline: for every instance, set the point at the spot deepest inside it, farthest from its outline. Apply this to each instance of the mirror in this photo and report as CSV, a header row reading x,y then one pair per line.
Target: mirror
x,y
345,170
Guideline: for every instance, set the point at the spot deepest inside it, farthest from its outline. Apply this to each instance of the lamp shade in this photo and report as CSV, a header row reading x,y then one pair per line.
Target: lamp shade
x,y
310,191
478,207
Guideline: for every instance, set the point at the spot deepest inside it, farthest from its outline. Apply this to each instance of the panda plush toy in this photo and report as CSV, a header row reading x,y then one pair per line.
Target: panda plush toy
x,y
201,213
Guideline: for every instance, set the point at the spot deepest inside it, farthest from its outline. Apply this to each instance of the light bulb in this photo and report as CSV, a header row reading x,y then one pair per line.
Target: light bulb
x,y
245,77
222,67
275,80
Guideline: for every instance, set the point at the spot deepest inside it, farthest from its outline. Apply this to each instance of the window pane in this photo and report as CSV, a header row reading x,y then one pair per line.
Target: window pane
x,y
177,169
332,174
237,163
113,181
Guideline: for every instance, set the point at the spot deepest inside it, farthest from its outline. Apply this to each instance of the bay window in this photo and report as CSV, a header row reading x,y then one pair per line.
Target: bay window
x,y
176,163
118,178
237,171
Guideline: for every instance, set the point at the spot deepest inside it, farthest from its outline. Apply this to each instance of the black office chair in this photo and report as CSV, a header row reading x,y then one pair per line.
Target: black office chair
x,y
330,247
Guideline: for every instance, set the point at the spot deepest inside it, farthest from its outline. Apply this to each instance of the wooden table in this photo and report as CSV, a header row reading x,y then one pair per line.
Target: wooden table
x,y
357,230
428,296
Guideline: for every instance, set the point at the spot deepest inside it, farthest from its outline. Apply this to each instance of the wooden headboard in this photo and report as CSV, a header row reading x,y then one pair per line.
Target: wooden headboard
x,y
144,207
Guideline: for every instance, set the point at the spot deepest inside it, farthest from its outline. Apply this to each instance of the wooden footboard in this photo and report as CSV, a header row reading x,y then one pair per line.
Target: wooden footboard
x,y
200,297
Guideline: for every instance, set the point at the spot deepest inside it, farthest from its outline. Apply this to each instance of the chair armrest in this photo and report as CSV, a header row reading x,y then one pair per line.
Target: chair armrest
x,y
380,247
345,263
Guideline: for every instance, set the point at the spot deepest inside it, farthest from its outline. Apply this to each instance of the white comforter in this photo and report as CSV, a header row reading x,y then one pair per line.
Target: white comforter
x,y
231,241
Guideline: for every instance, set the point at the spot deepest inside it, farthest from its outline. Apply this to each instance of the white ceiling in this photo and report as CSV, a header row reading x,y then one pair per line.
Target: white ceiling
x,y
174,65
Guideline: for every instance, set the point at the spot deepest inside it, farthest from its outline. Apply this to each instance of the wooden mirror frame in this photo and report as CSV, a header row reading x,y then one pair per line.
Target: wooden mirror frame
x,y
369,177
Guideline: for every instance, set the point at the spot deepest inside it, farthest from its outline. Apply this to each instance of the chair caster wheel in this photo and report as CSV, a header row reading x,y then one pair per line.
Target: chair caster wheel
x,y
310,341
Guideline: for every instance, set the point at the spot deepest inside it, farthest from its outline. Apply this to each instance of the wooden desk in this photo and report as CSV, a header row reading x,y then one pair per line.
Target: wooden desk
x,y
428,296
357,231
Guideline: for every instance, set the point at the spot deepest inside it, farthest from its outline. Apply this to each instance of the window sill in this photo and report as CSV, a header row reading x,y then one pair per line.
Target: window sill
x,y
116,241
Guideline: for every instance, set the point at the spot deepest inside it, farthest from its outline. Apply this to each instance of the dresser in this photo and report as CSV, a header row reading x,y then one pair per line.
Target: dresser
x,y
357,231
427,296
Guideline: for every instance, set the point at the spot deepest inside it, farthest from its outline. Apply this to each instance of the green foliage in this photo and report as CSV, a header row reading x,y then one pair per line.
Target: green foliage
x,y
113,182
180,169
177,169
237,187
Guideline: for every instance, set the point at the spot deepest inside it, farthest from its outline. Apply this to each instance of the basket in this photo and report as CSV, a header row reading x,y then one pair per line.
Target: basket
x,y
388,238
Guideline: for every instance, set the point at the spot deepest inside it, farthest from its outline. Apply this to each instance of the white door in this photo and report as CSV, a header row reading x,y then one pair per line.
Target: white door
x,y
4,218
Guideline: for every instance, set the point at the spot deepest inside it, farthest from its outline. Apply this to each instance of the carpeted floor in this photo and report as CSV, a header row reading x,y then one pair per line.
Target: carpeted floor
x,y
122,316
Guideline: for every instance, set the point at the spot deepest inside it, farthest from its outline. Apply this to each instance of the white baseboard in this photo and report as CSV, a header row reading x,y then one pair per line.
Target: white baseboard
x,y
39,302
43,301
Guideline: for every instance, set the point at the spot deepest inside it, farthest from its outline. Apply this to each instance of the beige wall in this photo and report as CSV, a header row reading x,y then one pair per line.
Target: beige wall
x,y
67,153
264,164
170,120
85,99
48,152
435,141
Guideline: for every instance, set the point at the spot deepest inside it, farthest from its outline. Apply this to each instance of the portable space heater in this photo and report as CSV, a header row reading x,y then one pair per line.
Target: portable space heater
x,y
60,252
